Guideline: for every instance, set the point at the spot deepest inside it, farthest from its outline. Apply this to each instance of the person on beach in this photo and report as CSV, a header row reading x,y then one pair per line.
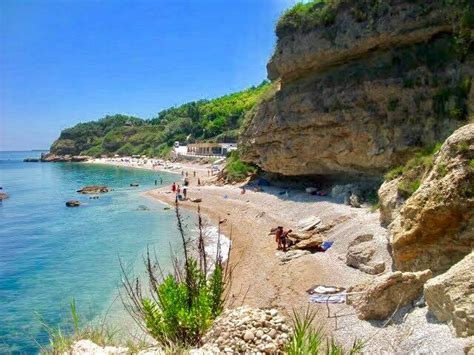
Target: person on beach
x,y
185,192
156,182
284,239
173,187
178,189
161,180
278,234
186,182
194,173
182,172
186,174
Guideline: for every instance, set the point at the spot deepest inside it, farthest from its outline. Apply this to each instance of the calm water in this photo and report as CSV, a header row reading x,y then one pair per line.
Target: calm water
x,y
50,254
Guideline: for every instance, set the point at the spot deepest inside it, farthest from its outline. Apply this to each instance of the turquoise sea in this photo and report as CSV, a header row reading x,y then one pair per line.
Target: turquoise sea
x,y
50,254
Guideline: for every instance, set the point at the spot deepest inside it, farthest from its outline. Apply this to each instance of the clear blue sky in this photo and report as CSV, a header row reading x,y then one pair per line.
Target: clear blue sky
x,y
67,61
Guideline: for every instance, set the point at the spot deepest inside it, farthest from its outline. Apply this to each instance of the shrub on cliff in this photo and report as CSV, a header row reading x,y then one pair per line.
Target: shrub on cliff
x,y
182,305
236,169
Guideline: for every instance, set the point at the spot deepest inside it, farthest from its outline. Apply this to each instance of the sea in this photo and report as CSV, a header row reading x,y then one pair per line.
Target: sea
x,y
51,255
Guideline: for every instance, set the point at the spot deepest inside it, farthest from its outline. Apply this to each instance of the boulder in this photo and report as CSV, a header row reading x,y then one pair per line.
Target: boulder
x,y
73,203
3,196
354,201
314,242
308,224
381,296
360,255
450,296
435,228
93,189
390,201
31,160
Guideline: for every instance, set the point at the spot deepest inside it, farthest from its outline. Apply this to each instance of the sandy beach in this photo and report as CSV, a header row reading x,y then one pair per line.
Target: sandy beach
x,y
261,279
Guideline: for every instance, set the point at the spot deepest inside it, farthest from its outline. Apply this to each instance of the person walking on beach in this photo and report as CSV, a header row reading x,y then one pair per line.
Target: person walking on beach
x,y
178,190
185,192
199,182
173,187
161,180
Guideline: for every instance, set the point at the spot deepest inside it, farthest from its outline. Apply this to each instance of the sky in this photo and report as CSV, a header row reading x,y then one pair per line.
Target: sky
x,y
68,61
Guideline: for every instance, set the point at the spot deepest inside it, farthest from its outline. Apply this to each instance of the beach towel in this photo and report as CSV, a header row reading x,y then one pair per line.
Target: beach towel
x,y
331,298
327,244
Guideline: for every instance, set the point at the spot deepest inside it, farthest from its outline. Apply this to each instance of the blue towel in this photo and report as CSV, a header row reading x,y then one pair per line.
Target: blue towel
x,y
327,244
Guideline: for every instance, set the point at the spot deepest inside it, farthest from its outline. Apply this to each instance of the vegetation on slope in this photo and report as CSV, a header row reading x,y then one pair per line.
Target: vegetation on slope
x,y
216,120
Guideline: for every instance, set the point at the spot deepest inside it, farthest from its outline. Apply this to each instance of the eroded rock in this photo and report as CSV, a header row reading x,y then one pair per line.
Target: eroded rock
x,y
390,201
93,189
381,296
360,255
450,296
436,225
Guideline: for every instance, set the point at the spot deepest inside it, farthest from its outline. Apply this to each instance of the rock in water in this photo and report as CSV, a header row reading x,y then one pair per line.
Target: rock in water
x,y
380,297
73,203
3,196
93,189
346,98
450,296
435,228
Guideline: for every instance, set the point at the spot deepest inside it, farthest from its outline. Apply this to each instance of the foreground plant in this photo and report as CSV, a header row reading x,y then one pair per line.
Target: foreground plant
x,y
307,339
179,308
61,339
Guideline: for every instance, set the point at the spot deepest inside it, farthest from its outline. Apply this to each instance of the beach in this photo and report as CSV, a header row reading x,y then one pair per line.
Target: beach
x,y
260,278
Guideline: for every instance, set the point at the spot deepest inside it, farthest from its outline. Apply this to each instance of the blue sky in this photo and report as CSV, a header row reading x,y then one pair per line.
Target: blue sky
x,y
67,61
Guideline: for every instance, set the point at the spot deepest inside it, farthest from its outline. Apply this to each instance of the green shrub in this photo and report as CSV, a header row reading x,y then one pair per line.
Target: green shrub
x,y
309,340
183,304
236,169
392,104
62,338
471,163
394,173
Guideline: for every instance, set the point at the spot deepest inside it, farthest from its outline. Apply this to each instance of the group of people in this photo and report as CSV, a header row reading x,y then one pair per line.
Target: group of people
x,y
281,238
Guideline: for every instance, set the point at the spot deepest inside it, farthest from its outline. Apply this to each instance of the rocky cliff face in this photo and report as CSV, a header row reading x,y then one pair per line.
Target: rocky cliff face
x,y
361,93
435,228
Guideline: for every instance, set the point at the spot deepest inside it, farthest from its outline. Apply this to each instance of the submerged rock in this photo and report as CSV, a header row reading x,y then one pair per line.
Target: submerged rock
x,y
73,203
3,196
450,297
435,228
381,296
93,189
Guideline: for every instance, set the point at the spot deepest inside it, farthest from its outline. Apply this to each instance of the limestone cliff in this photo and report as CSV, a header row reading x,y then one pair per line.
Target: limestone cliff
x,y
435,228
360,92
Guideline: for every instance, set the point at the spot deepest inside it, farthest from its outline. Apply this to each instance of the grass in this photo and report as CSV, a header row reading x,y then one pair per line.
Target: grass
x,y
471,163
307,339
236,169
413,171
62,338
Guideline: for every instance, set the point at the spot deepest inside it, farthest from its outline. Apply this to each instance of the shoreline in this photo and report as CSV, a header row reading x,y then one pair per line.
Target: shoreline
x,y
260,278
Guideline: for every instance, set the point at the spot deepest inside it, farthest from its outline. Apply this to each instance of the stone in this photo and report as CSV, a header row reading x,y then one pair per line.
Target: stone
x,y
450,296
435,228
73,203
390,201
360,255
354,201
259,333
308,223
380,297
312,243
248,335
94,189
87,347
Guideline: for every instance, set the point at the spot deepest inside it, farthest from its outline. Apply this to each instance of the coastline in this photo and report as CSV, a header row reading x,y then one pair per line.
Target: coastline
x,y
261,279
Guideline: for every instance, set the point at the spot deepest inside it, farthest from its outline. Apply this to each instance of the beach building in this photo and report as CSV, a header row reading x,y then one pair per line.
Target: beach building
x,y
211,149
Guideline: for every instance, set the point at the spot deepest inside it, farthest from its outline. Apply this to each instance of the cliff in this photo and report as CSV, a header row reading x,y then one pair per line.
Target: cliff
x,y
360,86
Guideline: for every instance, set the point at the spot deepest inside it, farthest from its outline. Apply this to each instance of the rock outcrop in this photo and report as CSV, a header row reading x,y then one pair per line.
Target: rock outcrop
x,y
87,347
53,158
361,255
390,201
94,189
380,297
435,228
360,94
450,297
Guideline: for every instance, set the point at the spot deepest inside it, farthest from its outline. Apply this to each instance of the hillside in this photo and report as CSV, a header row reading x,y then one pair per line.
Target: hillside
x,y
205,120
